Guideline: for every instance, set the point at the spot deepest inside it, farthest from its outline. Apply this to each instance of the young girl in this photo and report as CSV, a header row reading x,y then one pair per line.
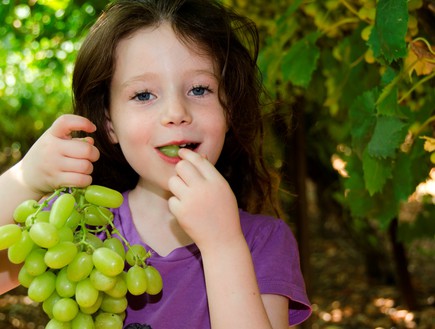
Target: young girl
x,y
157,73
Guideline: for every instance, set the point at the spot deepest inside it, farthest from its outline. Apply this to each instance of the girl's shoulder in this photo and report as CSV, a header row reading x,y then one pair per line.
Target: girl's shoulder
x,y
265,227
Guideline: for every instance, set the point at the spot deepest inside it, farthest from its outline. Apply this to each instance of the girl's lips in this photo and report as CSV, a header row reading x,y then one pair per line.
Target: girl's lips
x,y
169,152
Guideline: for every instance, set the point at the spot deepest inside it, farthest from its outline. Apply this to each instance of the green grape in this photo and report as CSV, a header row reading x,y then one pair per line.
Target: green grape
x,y
74,220
42,216
86,293
154,279
80,267
120,288
101,281
103,196
24,210
24,278
137,282
65,309
83,321
93,308
60,255
61,210
34,263
9,234
64,286
116,245
108,320
108,261
18,252
170,150
97,216
66,234
47,305
56,324
44,234
93,241
136,254
42,286
114,305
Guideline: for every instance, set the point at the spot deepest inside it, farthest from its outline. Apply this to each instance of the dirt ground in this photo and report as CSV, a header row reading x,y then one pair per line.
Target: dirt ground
x,y
344,298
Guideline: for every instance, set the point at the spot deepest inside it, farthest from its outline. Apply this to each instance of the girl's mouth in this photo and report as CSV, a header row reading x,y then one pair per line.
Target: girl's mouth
x,y
171,150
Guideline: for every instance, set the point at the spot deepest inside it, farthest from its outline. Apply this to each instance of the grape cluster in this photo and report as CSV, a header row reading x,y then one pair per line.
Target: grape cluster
x,y
81,279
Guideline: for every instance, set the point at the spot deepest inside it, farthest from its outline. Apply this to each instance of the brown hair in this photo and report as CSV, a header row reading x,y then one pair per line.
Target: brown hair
x,y
229,39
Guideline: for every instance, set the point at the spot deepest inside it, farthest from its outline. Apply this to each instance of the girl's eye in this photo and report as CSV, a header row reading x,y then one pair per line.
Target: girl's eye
x,y
143,96
199,90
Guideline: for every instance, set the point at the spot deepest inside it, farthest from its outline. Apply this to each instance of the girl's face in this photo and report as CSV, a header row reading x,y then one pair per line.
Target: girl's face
x,y
163,93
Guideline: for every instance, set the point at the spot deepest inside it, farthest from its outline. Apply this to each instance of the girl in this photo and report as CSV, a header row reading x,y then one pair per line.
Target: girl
x,y
158,73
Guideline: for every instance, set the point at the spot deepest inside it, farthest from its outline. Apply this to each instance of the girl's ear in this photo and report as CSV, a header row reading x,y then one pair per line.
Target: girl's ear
x,y
109,127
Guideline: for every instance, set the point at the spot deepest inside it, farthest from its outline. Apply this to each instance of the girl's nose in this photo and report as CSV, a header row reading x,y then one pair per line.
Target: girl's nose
x,y
176,113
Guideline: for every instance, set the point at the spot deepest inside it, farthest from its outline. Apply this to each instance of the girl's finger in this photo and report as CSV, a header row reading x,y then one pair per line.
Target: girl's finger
x,y
66,124
74,180
80,166
177,186
202,165
188,172
79,149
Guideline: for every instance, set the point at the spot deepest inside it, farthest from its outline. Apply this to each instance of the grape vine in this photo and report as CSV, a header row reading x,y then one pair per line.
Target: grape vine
x,y
75,261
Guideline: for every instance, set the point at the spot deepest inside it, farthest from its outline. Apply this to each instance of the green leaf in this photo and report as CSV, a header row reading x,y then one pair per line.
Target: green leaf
x,y
387,101
299,63
404,181
386,207
376,172
389,134
391,24
356,197
363,119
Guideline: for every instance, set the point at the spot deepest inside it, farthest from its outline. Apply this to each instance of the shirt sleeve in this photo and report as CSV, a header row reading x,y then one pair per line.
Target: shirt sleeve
x,y
276,260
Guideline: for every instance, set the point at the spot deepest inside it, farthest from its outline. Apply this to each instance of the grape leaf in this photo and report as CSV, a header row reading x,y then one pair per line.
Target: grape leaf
x,y
386,206
376,172
299,63
357,198
387,101
389,134
363,119
388,35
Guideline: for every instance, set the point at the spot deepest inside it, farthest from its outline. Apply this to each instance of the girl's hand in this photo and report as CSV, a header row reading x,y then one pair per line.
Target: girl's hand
x,y
56,159
203,202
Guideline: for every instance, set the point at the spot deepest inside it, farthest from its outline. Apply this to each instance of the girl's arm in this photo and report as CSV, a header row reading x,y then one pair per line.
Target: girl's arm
x,y
206,209
55,160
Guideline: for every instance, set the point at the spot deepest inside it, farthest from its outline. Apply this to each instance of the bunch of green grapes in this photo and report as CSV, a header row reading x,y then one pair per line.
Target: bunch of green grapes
x,y
80,279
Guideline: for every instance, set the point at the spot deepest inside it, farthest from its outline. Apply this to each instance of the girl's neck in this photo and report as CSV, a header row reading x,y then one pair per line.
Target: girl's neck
x,y
156,225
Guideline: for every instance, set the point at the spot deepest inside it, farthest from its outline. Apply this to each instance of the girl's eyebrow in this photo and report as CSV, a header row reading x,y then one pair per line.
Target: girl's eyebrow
x,y
150,76
140,77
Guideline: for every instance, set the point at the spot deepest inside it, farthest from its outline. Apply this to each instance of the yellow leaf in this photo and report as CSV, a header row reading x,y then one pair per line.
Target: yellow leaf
x,y
429,144
420,59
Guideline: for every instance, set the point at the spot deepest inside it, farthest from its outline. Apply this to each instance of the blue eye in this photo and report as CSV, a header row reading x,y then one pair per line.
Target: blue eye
x,y
200,90
143,96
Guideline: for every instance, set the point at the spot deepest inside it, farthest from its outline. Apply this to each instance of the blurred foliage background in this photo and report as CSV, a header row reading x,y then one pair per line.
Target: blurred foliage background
x,y
350,130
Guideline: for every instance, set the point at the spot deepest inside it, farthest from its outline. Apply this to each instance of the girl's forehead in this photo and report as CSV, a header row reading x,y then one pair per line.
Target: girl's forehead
x,y
161,42
159,51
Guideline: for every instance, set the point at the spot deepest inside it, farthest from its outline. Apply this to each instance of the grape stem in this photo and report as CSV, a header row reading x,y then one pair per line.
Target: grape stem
x,y
44,204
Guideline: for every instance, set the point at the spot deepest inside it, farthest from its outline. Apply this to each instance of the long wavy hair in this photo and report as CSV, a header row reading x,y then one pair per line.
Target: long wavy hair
x,y
229,39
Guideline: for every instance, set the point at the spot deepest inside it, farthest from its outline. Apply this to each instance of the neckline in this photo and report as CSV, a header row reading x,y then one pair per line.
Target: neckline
x,y
129,230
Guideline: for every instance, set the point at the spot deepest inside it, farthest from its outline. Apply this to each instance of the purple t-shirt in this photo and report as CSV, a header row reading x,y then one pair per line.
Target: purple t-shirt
x,y
183,301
